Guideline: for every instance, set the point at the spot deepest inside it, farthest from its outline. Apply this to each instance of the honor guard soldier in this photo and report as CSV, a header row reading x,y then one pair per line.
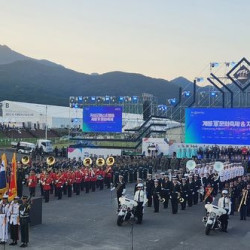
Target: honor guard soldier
x,y
197,185
184,193
190,190
120,189
59,184
149,189
156,195
14,221
4,219
24,215
141,199
166,186
225,203
175,195
32,182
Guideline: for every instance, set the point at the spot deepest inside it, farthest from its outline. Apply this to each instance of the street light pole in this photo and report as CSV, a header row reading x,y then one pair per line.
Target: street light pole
x,y
46,126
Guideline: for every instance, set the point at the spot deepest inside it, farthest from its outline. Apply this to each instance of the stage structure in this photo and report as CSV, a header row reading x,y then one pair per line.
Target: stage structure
x,y
223,85
219,85
146,105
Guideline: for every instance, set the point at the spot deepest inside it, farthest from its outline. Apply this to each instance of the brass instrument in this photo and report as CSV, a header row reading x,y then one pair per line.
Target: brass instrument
x,y
50,160
100,162
110,161
160,198
25,160
180,199
243,199
87,162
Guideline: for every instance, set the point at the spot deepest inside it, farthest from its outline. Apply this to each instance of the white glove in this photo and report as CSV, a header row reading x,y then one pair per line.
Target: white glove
x,y
124,191
112,189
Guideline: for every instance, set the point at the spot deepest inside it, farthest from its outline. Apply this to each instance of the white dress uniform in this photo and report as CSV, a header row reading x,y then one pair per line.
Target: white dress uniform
x,y
225,203
140,196
4,220
14,213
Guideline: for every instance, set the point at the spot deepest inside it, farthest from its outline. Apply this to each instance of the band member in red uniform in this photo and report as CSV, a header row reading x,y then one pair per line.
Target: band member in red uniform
x,y
32,182
41,177
101,178
52,176
93,180
78,178
83,178
65,188
87,180
59,184
108,177
46,181
70,181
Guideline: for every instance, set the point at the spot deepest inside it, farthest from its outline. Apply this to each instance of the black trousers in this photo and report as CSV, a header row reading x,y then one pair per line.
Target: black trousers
x,y
24,227
14,232
149,197
224,221
108,181
19,189
174,203
65,189
51,188
139,212
190,199
93,186
166,197
41,187
59,193
196,198
82,185
184,203
87,185
78,188
101,184
156,203
69,190
46,195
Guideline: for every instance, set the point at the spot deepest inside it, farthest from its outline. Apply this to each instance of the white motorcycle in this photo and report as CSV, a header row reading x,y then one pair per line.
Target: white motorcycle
x,y
211,220
126,211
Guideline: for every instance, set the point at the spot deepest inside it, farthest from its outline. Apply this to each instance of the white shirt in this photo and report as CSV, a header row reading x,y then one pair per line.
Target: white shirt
x,y
140,196
227,204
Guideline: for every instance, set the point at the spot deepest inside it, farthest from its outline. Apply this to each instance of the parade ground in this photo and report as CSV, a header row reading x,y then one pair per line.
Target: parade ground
x,y
88,221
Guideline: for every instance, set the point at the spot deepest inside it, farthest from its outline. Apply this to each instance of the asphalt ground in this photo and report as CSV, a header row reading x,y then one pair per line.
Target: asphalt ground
x,y
88,221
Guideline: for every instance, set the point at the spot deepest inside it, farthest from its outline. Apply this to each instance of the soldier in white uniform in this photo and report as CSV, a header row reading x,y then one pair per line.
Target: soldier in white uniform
x,y
141,199
225,203
4,219
14,220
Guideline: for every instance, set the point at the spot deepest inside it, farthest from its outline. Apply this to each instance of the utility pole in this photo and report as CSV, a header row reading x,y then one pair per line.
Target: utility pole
x,y
46,126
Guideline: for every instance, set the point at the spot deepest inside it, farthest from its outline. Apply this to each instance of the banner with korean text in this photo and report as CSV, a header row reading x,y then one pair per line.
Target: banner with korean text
x,y
217,126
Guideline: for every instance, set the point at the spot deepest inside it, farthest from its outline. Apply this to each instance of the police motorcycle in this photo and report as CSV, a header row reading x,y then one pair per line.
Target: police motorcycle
x,y
126,211
211,220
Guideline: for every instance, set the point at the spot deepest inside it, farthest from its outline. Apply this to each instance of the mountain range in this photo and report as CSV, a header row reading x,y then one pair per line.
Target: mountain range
x,y
27,79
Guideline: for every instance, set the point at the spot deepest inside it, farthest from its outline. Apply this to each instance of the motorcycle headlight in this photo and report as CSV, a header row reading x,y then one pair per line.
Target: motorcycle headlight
x,y
213,215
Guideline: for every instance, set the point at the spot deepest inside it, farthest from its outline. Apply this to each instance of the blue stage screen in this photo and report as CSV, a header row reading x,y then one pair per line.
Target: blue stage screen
x,y
217,126
102,119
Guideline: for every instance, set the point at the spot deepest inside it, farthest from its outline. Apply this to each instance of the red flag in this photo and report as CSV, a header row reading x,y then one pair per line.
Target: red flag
x,y
13,186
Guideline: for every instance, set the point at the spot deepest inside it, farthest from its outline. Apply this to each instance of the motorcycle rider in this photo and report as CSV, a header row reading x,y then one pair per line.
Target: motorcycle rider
x,y
120,189
225,203
141,199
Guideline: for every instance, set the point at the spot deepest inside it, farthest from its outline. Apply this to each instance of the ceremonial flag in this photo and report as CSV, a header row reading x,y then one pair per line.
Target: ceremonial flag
x,y
13,186
3,180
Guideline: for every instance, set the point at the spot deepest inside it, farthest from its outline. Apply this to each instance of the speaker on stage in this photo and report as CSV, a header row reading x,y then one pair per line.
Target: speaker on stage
x,y
36,211
146,109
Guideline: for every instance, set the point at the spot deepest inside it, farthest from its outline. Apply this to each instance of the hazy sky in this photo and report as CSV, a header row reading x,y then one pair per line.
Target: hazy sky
x,y
158,38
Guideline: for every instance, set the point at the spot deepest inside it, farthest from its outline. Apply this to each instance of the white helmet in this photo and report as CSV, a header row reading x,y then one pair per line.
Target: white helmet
x,y
224,192
140,185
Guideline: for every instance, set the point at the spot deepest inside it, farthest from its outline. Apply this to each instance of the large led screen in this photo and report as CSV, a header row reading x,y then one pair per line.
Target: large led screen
x,y
217,126
102,119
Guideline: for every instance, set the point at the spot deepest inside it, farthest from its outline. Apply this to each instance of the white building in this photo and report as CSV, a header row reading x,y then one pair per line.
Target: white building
x,y
37,115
